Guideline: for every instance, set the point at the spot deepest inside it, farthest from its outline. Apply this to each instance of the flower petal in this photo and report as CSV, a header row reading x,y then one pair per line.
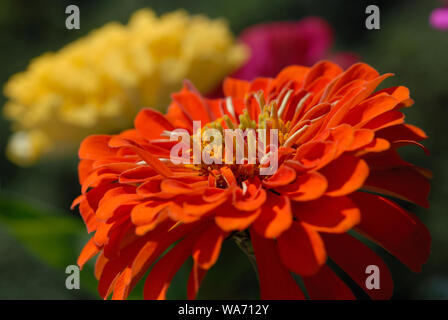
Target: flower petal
x,y
87,253
276,283
301,249
192,105
369,109
197,274
395,229
275,216
403,183
281,177
345,175
230,219
159,278
328,214
96,147
326,285
235,88
354,257
308,186
151,123
207,247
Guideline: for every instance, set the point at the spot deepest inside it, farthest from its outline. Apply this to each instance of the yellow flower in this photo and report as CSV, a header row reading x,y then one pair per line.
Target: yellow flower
x,y
98,83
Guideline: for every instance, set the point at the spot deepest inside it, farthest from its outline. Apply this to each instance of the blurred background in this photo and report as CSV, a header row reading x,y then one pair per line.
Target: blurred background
x,y
40,236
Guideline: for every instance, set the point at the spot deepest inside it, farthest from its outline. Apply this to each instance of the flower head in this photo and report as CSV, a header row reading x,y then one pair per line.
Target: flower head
x,y
98,83
439,18
276,45
337,162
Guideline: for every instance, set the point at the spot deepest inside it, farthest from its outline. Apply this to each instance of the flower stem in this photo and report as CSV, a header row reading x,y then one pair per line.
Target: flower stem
x,y
242,239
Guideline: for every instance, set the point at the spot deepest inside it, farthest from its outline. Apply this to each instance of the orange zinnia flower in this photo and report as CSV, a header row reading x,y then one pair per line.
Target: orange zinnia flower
x,y
337,159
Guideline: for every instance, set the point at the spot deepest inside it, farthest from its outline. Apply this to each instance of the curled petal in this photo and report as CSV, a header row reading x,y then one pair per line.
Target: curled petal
x,y
308,186
275,216
230,219
281,177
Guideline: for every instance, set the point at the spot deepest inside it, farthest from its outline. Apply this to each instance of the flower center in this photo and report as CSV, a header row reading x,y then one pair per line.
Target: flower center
x,y
245,145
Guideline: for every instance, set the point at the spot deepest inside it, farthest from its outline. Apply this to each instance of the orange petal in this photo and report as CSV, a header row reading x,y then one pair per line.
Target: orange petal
x,y
385,160
175,187
121,285
275,216
88,252
276,282
369,109
197,206
177,117
109,270
208,246
281,177
410,242
344,136
228,176
328,214
96,147
308,186
402,132
301,249
292,73
197,274
326,285
151,123
324,69
145,213
345,175
154,162
362,137
137,174
230,219
387,119
401,93
251,199
354,257
358,71
235,88
84,169
403,183
193,106
159,278
88,216
159,240
377,145
113,200
316,154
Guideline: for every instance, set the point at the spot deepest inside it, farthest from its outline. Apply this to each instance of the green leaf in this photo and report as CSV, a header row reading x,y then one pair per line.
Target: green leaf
x,y
56,238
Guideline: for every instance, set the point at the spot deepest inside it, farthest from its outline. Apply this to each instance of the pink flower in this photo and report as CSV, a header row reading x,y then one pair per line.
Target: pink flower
x,y
439,18
279,44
